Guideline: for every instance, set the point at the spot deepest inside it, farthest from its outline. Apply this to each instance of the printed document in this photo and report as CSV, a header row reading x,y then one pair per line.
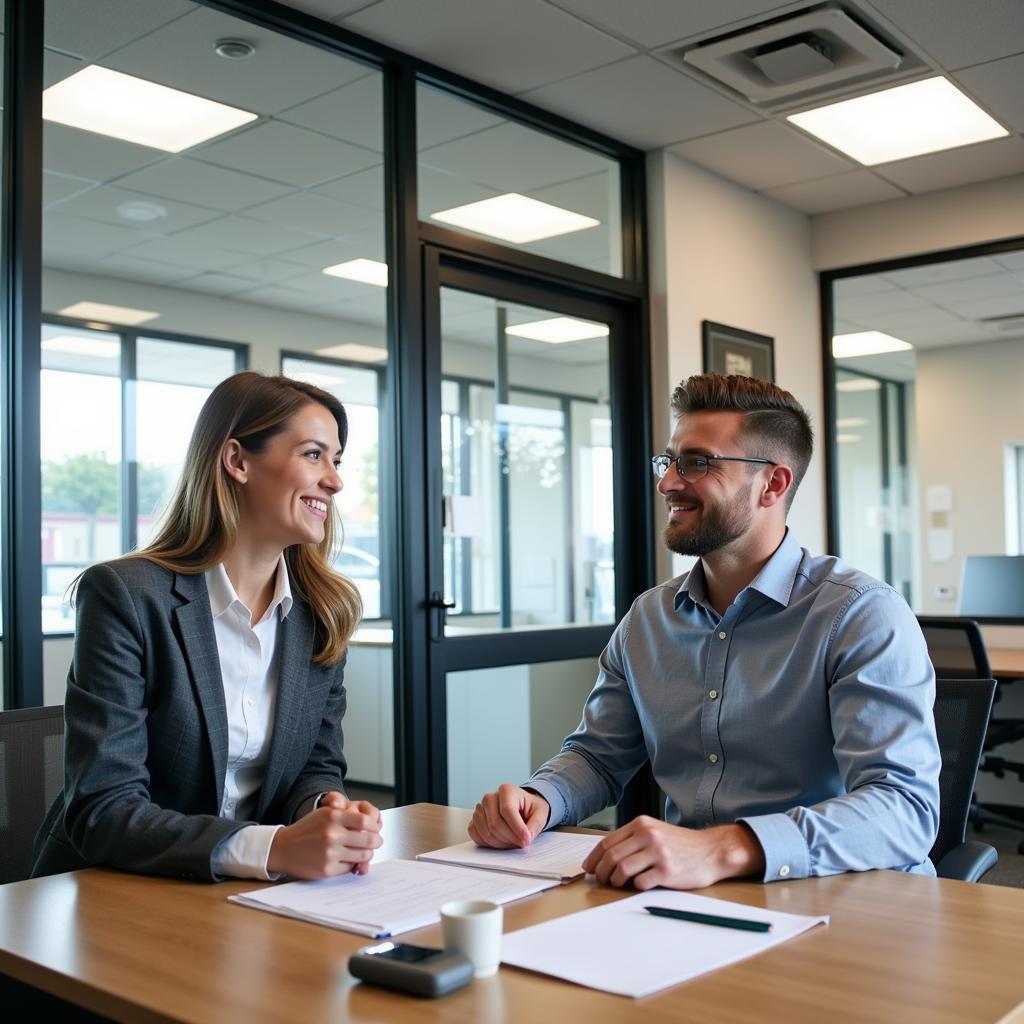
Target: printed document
x,y
557,855
621,948
396,896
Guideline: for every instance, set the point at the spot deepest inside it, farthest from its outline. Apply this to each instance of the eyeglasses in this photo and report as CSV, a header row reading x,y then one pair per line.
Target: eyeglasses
x,y
695,467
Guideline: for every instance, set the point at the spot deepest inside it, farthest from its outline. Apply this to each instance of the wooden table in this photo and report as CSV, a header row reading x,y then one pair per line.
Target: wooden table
x,y
1006,662
899,948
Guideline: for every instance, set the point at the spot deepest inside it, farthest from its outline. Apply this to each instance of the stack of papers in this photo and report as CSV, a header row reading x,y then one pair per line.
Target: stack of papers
x,y
395,896
557,855
621,948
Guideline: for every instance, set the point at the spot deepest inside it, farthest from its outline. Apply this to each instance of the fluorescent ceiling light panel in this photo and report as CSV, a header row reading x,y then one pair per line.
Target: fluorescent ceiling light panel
x,y
124,107
848,438
559,329
366,271
858,384
77,345
355,353
909,120
848,422
108,314
866,343
515,218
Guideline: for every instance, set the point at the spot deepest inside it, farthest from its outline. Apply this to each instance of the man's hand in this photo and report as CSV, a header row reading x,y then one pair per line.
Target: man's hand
x,y
511,818
648,853
338,837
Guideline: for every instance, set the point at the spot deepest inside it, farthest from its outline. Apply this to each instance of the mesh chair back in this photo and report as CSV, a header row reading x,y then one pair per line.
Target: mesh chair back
x,y
962,707
955,647
31,776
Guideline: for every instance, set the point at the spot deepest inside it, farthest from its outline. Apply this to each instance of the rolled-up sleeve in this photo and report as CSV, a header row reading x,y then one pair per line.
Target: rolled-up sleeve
x,y
881,693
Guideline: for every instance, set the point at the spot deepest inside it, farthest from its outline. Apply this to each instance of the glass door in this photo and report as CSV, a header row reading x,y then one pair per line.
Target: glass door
x,y
530,468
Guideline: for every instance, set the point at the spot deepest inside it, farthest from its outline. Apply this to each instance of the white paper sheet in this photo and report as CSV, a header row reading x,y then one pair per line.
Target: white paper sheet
x,y
557,855
396,896
620,948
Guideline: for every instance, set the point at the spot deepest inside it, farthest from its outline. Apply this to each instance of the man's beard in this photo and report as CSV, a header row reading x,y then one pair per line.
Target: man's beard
x,y
718,526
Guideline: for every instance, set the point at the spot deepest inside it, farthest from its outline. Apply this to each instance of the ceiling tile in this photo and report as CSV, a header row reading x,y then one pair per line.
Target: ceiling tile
x,y
354,113
441,191
836,192
288,154
866,284
643,102
58,66
368,245
268,271
896,321
135,269
328,10
762,156
513,158
185,252
68,236
62,186
656,22
217,284
973,288
949,270
248,236
91,30
364,188
371,310
288,298
103,204
331,288
281,73
1002,305
510,46
317,214
1010,260
958,34
216,187
953,167
87,155
999,85
441,117
858,307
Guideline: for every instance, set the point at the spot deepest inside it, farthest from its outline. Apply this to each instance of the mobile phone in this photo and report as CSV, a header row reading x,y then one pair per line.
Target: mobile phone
x,y
415,969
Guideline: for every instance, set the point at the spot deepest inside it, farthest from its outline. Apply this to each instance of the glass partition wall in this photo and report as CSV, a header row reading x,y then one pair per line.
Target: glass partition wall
x,y
262,221
927,356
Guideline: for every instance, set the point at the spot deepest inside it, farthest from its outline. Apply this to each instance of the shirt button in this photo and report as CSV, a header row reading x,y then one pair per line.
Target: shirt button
x,y
721,636
250,702
230,805
712,694
713,758
783,871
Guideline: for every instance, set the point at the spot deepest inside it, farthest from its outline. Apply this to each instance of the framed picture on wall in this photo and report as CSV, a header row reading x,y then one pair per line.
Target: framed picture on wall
x,y
732,351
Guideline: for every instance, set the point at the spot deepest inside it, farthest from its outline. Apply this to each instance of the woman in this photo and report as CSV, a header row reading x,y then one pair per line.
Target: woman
x,y
205,695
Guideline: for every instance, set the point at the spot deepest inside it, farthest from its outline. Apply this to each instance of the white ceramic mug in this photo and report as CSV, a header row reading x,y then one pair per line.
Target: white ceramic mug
x,y
473,928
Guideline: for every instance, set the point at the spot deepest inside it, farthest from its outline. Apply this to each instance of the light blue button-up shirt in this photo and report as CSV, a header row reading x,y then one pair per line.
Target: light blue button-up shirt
x,y
804,711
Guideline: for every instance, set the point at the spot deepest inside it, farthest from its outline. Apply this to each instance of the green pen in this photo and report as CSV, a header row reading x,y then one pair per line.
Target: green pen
x,y
722,922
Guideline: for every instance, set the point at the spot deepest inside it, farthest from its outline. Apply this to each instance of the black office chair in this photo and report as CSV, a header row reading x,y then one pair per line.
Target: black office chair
x,y
962,709
955,647
957,651
31,775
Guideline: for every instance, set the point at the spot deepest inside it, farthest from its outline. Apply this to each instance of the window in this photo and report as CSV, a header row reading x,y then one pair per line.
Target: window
x,y
112,441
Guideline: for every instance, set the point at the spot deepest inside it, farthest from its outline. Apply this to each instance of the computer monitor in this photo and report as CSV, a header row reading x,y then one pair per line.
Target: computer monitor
x,y
993,587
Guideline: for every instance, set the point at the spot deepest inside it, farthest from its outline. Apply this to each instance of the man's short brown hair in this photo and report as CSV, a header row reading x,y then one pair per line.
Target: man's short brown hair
x,y
775,425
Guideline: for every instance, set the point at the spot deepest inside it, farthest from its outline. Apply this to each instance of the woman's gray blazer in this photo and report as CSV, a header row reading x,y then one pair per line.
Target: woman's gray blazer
x,y
146,734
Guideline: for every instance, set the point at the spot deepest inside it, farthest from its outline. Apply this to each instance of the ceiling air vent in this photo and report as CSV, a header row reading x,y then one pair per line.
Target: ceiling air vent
x,y
820,49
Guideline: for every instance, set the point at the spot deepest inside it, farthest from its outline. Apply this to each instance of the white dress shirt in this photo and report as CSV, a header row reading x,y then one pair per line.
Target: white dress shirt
x,y
249,668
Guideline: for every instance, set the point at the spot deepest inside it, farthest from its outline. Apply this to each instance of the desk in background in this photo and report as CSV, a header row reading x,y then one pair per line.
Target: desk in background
x,y
899,948
1006,662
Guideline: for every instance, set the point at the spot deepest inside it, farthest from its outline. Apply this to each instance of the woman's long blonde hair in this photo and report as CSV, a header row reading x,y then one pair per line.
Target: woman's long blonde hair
x,y
200,525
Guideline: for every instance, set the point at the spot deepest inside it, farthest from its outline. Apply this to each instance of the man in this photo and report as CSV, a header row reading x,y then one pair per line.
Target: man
x,y
784,700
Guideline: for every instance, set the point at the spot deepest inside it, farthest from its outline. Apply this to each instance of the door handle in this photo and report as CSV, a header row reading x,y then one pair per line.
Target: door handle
x,y
437,601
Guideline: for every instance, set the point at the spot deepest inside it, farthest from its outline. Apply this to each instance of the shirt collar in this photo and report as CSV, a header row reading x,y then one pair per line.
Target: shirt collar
x,y
775,580
223,595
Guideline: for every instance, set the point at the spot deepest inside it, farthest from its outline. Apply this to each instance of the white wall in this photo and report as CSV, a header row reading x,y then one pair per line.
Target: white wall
x,y
930,222
969,409
719,252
